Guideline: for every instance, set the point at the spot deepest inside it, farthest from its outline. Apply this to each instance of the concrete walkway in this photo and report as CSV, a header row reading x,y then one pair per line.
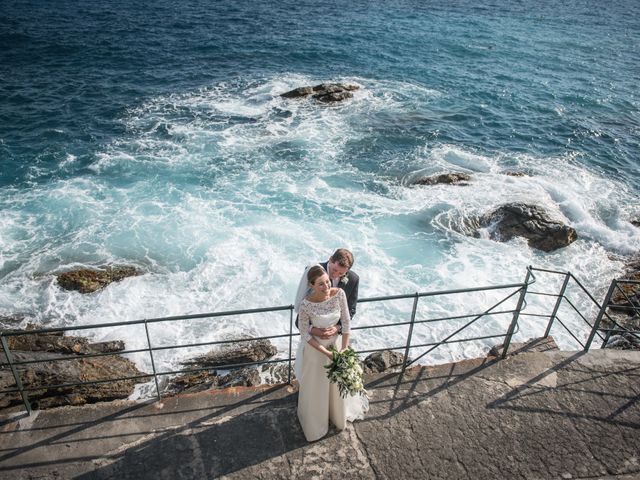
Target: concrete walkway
x,y
531,416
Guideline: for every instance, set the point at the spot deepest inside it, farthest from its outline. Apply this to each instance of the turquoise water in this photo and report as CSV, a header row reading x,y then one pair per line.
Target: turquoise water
x,y
153,134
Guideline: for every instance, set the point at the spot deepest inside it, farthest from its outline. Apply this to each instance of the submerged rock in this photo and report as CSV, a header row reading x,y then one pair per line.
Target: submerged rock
x,y
531,222
325,92
86,280
635,223
446,178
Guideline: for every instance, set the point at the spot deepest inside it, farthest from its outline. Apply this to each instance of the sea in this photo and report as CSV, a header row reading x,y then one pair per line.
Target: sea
x,y
153,134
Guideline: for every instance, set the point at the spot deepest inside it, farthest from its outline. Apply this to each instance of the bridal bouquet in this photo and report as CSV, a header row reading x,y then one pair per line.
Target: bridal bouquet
x,y
345,371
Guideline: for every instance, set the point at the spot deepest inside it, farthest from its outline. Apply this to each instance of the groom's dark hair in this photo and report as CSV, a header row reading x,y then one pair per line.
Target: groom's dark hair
x,y
343,257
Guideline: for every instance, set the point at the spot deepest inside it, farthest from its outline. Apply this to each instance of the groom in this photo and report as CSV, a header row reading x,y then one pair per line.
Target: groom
x,y
339,269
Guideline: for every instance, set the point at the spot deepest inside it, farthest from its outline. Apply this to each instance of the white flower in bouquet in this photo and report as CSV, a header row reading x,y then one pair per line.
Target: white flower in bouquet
x,y
346,372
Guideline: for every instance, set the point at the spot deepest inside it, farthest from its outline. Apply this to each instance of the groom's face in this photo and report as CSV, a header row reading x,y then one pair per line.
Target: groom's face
x,y
336,270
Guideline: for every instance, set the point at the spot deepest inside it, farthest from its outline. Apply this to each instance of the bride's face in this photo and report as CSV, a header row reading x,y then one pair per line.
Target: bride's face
x,y
322,285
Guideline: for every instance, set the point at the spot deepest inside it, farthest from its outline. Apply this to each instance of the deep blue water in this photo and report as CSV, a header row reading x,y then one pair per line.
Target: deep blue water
x,y
153,134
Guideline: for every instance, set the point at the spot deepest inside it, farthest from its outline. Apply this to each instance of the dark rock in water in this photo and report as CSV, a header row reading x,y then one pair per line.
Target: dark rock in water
x,y
73,370
325,92
379,362
298,92
515,174
333,97
85,280
531,222
635,223
531,345
446,178
238,353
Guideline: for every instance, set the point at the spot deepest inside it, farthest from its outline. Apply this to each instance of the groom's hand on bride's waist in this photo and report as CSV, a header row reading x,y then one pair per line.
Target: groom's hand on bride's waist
x,y
325,333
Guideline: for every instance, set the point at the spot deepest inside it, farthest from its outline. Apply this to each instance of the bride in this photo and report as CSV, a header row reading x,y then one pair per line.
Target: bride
x,y
319,401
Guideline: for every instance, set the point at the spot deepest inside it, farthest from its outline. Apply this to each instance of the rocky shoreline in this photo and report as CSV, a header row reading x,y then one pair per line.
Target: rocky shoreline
x,y
54,359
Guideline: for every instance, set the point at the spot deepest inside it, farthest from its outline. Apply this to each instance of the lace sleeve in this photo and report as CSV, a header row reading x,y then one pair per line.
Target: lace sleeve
x,y
345,317
304,321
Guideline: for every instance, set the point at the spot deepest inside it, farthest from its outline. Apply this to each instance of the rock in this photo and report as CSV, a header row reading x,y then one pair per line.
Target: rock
x,y
298,92
445,178
192,382
207,380
55,342
332,97
8,322
635,223
516,174
379,362
325,92
626,341
531,222
243,352
243,377
273,373
75,369
626,297
87,281
531,345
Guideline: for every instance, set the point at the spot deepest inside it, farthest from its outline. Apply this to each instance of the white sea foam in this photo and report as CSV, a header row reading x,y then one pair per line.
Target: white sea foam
x,y
222,195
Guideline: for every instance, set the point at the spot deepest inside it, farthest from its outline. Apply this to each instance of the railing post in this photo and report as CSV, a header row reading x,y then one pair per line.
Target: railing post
x,y
16,376
406,349
603,309
153,364
516,314
290,340
557,306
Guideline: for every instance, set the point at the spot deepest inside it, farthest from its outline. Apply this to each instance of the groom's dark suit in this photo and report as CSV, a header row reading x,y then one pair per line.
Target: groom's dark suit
x,y
350,287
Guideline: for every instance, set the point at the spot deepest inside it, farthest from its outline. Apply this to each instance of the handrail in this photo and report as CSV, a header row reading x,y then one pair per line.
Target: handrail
x,y
520,289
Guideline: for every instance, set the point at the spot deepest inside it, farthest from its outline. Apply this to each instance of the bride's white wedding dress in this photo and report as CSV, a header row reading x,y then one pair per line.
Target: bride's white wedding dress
x,y
319,400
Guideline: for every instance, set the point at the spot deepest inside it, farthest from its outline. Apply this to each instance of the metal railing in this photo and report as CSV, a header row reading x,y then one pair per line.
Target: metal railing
x,y
514,292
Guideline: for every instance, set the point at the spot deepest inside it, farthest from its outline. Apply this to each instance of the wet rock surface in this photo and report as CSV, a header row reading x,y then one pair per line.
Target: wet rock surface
x,y
325,92
528,221
46,372
459,178
233,354
86,280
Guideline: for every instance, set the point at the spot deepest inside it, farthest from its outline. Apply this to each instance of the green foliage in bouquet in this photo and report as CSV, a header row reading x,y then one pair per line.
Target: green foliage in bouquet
x,y
345,371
